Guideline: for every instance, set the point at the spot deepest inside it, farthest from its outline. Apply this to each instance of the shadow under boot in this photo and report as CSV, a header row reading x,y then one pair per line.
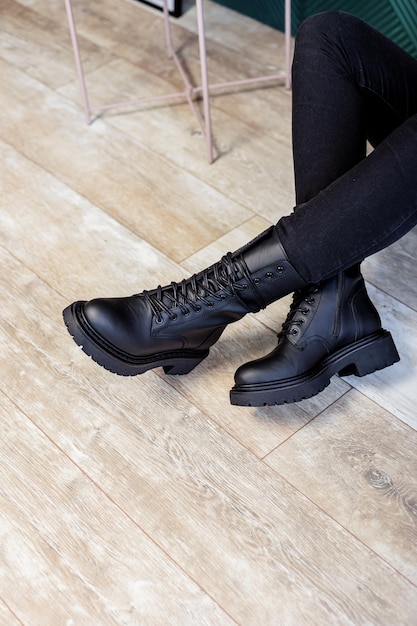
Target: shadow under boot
x,y
332,328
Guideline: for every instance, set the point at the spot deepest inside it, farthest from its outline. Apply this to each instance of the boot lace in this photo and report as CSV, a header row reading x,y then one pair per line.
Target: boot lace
x,y
191,292
301,299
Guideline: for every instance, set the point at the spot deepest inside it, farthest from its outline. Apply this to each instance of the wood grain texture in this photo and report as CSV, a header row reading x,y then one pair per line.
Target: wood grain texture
x,y
394,388
241,34
227,520
150,500
78,248
6,616
118,174
70,555
253,132
345,460
392,270
48,59
261,163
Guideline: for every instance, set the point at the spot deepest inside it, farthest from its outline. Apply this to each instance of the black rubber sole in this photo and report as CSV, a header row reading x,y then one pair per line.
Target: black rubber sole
x,y
360,358
174,363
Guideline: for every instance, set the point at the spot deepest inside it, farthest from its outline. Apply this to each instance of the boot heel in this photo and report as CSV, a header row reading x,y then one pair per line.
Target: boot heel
x,y
183,365
379,353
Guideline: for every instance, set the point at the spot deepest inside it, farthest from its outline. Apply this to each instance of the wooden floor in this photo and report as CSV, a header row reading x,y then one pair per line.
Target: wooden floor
x,y
151,500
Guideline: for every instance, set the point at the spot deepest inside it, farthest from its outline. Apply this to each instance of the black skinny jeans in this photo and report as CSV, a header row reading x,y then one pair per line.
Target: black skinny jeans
x,y
350,84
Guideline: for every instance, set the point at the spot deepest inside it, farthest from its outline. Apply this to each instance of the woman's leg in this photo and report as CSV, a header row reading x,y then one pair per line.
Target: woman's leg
x,y
363,211
350,84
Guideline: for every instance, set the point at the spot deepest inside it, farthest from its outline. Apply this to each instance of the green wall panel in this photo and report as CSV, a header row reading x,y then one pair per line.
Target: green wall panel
x,y
395,18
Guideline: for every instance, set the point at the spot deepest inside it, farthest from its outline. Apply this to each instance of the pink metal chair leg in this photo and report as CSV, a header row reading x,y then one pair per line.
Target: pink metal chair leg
x,y
189,90
168,32
287,31
205,88
204,79
76,49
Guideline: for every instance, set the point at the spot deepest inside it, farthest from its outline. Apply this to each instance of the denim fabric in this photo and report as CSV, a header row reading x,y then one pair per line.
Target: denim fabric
x,y
350,85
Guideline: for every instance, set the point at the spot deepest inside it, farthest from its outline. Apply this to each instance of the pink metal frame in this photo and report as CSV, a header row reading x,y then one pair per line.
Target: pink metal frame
x,y
189,90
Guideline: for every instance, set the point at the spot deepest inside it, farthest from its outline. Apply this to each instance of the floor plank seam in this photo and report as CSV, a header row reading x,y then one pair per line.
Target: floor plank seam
x,y
344,528
119,508
142,499
390,296
264,458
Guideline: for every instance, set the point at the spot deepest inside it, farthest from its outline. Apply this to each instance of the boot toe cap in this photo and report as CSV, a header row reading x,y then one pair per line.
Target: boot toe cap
x,y
283,363
114,320
252,373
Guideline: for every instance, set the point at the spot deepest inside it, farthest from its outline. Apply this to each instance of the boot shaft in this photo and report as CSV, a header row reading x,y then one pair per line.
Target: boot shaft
x,y
339,310
355,308
269,270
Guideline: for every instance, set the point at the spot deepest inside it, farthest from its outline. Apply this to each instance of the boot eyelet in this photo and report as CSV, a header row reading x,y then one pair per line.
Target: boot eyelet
x,y
280,269
198,308
257,281
269,275
222,296
159,320
245,287
186,312
173,317
301,321
305,311
294,331
210,305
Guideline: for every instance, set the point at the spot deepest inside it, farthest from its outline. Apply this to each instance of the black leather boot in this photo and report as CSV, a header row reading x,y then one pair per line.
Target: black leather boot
x,y
332,328
174,326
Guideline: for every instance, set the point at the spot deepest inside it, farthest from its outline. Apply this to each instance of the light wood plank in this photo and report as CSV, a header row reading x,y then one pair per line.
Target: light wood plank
x,y
230,29
141,190
137,35
394,387
268,192
70,555
253,169
252,542
49,59
6,616
265,108
169,457
26,3
393,270
109,25
248,154
122,26
359,464
78,249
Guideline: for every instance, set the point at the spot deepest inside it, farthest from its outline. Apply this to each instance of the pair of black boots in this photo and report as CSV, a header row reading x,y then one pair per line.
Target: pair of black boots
x,y
332,328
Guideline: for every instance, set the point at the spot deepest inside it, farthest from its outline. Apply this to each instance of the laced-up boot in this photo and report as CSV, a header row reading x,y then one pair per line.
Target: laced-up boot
x,y
331,328
174,326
